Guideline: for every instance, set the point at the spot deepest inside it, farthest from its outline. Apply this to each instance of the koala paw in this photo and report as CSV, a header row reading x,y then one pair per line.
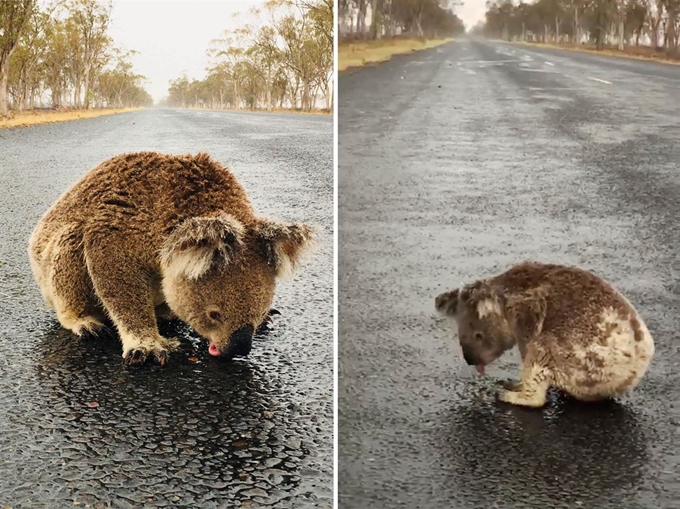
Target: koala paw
x,y
533,400
90,328
158,351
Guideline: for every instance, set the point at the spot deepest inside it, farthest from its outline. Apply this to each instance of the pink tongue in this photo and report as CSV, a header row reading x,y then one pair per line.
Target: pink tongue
x,y
480,368
214,351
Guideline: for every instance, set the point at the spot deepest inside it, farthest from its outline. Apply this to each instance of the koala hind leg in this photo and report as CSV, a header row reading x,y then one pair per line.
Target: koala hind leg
x,y
124,288
532,388
68,288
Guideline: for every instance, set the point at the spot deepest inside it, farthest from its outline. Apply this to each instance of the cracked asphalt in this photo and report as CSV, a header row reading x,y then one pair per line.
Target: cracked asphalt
x,y
77,427
455,163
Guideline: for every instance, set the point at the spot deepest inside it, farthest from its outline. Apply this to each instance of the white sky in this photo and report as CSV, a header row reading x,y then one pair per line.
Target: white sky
x,y
172,36
471,12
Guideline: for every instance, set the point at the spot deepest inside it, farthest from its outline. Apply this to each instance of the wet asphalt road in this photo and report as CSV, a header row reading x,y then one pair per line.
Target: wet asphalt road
x,y
248,433
455,163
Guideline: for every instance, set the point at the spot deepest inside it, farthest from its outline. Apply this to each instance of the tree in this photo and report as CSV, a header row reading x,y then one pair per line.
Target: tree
x,y
600,20
14,17
421,18
282,55
64,49
90,21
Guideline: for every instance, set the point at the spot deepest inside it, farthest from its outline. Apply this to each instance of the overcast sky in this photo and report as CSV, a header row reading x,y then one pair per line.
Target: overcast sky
x,y
172,36
471,12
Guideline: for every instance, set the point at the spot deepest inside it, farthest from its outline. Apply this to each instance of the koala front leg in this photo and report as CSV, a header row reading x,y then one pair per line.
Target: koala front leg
x,y
124,290
531,390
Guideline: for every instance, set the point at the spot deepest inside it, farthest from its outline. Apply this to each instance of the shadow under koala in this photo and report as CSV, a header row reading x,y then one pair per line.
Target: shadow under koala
x,y
569,453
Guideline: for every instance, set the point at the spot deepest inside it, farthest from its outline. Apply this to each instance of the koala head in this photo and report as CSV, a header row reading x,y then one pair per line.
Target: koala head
x,y
219,275
483,329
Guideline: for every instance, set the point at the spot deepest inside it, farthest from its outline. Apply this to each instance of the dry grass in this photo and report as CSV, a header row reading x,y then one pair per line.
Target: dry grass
x,y
33,117
360,53
275,110
634,52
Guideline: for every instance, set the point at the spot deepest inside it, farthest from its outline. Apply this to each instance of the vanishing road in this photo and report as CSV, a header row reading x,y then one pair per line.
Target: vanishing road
x,y
455,163
78,428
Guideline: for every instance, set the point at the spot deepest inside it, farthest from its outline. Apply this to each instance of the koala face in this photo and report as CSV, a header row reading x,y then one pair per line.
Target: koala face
x,y
219,276
483,329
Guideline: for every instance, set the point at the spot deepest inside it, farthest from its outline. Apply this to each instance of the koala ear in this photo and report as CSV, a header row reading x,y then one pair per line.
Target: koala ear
x,y
198,242
447,303
485,298
285,245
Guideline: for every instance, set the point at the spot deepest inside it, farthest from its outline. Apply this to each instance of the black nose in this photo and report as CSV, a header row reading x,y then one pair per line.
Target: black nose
x,y
241,341
468,358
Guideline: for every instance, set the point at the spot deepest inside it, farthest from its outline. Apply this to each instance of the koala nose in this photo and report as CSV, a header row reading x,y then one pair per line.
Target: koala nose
x,y
468,358
241,341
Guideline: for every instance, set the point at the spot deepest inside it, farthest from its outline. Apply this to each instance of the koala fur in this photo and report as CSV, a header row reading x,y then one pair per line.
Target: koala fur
x,y
574,332
146,234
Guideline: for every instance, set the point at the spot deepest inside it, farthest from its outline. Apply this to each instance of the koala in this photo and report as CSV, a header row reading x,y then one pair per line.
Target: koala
x,y
574,332
146,235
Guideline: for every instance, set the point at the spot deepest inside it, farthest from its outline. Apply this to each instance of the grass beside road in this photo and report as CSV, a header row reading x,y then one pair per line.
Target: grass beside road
x,y
635,52
264,110
34,117
360,53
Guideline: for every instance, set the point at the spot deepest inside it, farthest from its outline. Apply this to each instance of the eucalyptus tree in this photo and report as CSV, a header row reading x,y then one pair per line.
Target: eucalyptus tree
x,y
280,56
14,19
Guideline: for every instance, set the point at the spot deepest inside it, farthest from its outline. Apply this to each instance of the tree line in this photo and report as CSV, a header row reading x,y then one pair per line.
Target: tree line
x,y
280,58
600,22
373,19
60,55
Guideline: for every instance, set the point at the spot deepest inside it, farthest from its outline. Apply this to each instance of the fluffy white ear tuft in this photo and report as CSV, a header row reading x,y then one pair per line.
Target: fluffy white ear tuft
x,y
285,245
199,242
488,306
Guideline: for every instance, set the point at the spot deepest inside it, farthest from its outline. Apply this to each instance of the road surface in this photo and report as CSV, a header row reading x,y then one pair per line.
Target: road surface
x,y
209,434
455,163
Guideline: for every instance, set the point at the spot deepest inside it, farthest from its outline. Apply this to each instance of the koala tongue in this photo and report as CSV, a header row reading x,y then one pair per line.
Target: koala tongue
x,y
214,351
480,368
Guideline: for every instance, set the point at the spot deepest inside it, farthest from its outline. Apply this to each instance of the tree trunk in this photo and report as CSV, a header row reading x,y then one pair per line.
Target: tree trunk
x,y
375,17
4,75
87,87
670,32
621,33
361,18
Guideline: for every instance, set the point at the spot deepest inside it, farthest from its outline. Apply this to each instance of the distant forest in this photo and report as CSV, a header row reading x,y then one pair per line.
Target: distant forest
x,y
60,55
281,58
375,19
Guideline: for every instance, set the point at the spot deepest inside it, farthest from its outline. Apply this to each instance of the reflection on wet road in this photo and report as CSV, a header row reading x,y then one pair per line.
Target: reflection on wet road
x,y
455,163
78,427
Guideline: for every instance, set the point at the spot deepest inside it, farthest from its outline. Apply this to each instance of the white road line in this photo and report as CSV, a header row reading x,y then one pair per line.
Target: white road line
x,y
601,81
550,64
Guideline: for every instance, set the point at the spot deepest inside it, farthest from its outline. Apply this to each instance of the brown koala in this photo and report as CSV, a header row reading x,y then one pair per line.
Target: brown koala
x,y
574,332
145,234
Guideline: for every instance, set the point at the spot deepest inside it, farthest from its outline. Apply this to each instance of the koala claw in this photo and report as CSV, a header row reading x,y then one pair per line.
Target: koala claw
x,y
98,333
161,357
135,357
157,350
